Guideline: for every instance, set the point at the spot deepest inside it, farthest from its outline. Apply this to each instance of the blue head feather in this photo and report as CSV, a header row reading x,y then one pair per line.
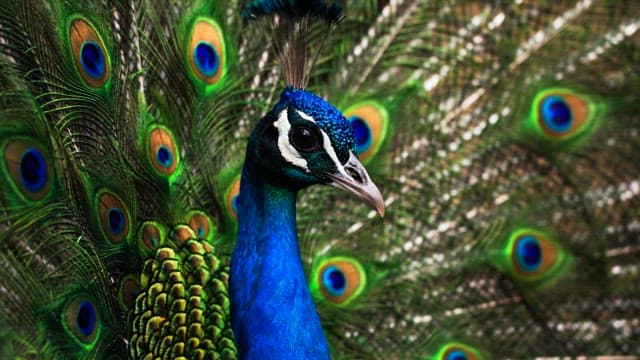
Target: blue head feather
x,y
325,115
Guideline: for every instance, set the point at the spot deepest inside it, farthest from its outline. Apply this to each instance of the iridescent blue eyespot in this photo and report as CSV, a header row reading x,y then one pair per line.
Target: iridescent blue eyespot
x,y
206,59
92,59
33,170
534,256
86,319
334,280
150,235
361,133
556,114
457,351
163,150
153,242
29,169
201,224
457,355
113,216
206,51
529,253
370,123
339,280
234,203
117,221
89,53
129,291
232,198
81,320
564,117
164,156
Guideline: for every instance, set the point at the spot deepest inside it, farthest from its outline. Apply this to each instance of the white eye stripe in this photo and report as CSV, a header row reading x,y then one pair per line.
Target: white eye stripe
x,y
288,152
328,148
305,116
326,144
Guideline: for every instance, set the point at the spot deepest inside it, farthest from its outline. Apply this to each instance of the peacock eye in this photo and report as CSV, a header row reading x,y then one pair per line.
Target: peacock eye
x,y
304,138
81,320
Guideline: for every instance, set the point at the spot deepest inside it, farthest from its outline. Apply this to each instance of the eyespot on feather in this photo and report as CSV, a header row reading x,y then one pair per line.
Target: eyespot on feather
x,y
534,256
201,224
129,290
562,114
369,121
457,351
150,236
339,280
113,215
231,198
29,168
207,55
162,150
81,320
89,53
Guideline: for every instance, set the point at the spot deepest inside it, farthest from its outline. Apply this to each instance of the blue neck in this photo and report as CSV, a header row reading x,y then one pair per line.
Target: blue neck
x,y
272,311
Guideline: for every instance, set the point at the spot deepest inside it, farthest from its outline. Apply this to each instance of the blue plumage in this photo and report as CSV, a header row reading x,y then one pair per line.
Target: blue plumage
x,y
326,116
270,301
288,150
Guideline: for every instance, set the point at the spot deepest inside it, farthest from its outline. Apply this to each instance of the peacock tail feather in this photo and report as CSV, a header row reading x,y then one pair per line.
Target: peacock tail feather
x,y
504,137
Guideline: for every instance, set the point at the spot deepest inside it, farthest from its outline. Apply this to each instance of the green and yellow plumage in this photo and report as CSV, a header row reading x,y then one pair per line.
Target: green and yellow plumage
x,y
503,136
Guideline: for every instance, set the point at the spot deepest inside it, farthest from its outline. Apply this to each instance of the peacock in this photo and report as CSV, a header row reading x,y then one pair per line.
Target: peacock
x,y
164,169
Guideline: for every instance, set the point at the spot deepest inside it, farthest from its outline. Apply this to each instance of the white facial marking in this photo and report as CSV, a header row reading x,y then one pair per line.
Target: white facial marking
x,y
287,150
331,152
305,116
326,144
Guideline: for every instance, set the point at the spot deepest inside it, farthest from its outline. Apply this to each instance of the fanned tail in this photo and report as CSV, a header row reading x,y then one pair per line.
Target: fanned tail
x,y
112,140
506,137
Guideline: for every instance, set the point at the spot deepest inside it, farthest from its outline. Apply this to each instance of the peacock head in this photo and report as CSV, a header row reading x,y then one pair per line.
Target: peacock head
x,y
304,140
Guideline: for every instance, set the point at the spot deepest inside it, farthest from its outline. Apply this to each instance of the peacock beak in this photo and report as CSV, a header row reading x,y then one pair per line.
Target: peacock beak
x,y
353,177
